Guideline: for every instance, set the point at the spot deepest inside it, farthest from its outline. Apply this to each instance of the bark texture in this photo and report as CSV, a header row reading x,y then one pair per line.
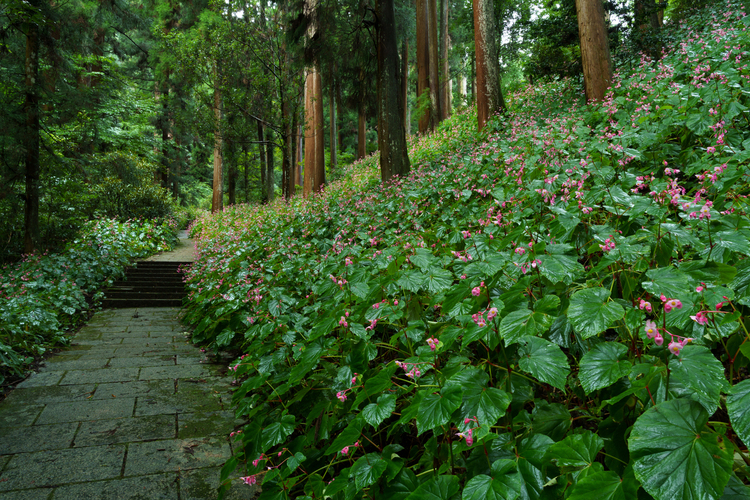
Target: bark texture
x,y
394,158
595,58
31,137
426,96
314,135
489,98
217,200
445,45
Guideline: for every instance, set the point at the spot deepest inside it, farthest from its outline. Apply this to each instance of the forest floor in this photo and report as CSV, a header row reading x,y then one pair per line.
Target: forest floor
x,y
131,410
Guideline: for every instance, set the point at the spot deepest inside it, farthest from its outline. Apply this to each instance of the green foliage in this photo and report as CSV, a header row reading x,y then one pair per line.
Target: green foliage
x,y
557,308
44,296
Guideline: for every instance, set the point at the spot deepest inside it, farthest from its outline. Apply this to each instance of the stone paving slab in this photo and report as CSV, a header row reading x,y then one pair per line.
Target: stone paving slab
x,y
154,487
78,411
102,375
133,410
141,361
51,394
141,388
41,379
36,438
56,467
175,454
125,430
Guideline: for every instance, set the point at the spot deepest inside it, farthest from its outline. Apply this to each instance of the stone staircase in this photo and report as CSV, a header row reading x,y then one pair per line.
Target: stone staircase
x,y
148,284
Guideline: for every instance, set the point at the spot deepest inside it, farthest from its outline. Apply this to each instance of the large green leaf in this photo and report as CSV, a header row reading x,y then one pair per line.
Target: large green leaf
x,y
557,268
591,312
347,437
403,485
545,361
368,469
604,485
603,365
436,409
438,280
504,484
700,374
278,431
676,456
668,281
437,488
486,403
522,323
375,413
576,451
738,403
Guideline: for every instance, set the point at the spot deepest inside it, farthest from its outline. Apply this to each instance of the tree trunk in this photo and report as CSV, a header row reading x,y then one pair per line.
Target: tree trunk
x,y
332,118
231,175
394,159
262,157
405,82
362,125
288,141
432,38
445,97
597,72
300,150
31,136
270,186
217,200
426,95
314,135
489,98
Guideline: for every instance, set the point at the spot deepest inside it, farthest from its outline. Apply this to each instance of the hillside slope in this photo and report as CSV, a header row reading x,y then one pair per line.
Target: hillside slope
x,y
554,309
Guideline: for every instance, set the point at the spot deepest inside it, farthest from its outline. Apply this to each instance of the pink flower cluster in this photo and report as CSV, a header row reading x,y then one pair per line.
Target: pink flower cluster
x,y
609,244
433,343
670,304
345,449
468,434
412,369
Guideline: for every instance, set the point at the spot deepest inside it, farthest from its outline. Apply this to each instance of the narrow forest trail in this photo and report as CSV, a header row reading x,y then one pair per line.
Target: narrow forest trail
x,y
131,410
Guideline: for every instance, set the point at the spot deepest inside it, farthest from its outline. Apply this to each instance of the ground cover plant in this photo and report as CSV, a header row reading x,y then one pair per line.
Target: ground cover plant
x,y
558,309
44,295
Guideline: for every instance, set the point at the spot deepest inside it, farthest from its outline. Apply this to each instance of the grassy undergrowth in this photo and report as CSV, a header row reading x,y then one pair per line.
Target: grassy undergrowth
x,y
557,309
43,296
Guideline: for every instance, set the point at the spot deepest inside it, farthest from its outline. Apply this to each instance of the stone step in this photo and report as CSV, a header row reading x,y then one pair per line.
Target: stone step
x,y
148,284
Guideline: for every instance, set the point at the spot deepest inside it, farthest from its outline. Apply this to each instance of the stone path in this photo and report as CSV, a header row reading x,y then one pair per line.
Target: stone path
x,y
130,410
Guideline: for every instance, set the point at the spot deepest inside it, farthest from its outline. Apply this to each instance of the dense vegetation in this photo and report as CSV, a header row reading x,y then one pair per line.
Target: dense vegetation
x,y
44,296
555,309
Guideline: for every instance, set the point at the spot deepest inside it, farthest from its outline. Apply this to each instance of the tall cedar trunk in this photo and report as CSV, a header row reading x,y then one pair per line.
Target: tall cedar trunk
x,y
362,126
445,97
300,153
217,200
332,118
231,174
405,82
314,135
432,38
597,69
339,116
270,186
425,95
647,15
262,156
31,135
489,98
245,168
394,159
287,157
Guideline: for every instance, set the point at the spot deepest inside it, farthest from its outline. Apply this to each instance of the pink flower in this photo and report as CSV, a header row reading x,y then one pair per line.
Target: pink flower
x,y
343,322
345,450
433,343
491,313
466,435
700,317
341,395
249,480
658,339
645,305
651,330
354,379
675,347
699,289
672,304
